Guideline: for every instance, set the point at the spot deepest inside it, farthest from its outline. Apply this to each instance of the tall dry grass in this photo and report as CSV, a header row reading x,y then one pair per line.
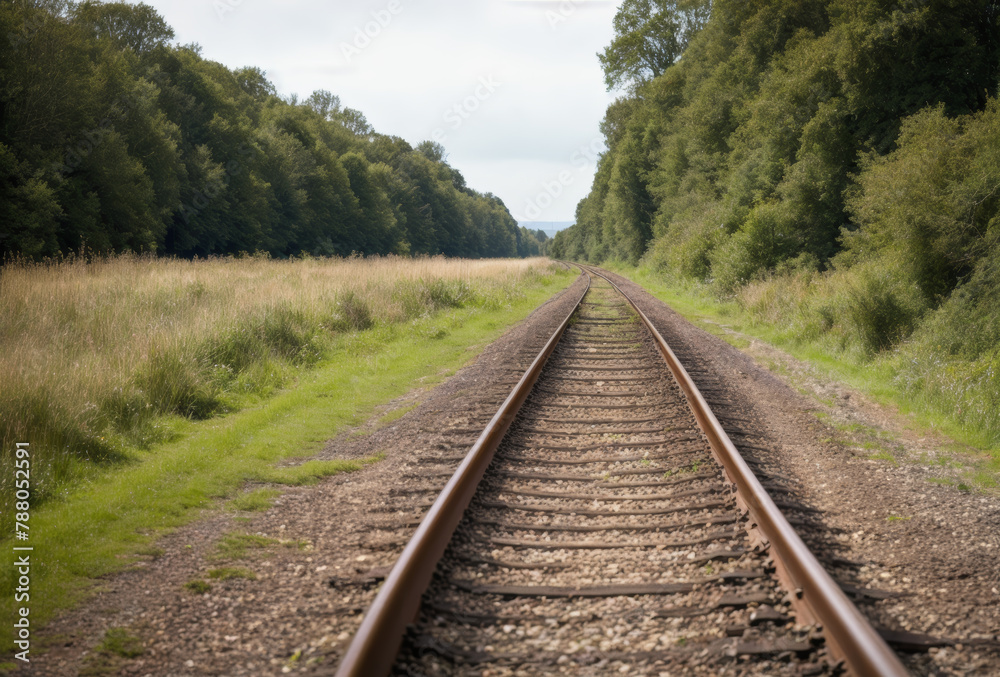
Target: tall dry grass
x,y
94,354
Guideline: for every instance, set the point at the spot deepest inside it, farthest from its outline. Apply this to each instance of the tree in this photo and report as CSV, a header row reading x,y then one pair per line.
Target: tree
x,y
650,35
136,27
111,138
325,103
254,82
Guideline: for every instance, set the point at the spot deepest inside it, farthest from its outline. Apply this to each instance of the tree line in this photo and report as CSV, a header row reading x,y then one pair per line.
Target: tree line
x,y
114,139
759,137
832,166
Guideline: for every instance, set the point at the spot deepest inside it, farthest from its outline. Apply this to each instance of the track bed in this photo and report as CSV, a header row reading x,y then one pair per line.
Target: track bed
x,y
603,537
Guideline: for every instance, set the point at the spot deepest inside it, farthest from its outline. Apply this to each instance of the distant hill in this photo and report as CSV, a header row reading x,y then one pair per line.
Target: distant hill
x,y
550,228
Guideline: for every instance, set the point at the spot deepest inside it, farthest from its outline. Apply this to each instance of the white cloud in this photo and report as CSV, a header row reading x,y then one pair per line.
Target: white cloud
x,y
424,58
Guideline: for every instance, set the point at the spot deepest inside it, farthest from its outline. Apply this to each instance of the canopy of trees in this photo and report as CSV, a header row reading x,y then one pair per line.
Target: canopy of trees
x,y
113,139
832,165
799,134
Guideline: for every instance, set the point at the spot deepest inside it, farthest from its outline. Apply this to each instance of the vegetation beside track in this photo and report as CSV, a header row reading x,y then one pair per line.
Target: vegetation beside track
x,y
887,377
824,170
103,511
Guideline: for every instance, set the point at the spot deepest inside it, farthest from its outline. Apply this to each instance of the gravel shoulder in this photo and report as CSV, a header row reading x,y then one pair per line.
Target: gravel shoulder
x,y
877,507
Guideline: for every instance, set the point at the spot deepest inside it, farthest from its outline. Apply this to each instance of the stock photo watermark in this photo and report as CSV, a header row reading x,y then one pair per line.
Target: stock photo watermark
x,y
22,551
565,11
365,35
583,159
456,115
224,7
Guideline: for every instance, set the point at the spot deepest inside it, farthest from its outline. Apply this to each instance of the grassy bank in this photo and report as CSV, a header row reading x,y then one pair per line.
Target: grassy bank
x,y
819,320
100,517
105,357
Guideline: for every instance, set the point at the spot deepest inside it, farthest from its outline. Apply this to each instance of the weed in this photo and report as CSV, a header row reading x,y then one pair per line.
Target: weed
x,y
230,573
108,657
693,468
311,472
121,642
241,545
883,456
255,501
198,587
354,312
897,518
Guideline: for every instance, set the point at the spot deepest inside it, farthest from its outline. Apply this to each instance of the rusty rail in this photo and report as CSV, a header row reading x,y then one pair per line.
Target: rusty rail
x,y
816,596
373,650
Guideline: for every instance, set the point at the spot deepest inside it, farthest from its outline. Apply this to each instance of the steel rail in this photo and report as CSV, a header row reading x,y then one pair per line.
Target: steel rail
x,y
373,650
816,596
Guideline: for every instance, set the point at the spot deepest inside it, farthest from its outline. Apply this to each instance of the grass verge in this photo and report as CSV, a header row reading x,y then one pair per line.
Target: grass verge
x,y
875,376
106,523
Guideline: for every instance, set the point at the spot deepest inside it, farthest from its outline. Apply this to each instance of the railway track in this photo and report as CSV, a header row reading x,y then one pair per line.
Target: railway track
x,y
604,524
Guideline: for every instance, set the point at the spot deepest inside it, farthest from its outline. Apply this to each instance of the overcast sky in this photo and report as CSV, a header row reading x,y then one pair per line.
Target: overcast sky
x,y
511,88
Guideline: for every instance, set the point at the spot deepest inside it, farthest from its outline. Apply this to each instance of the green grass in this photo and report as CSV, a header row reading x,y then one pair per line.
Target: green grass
x,y
395,415
101,525
108,657
313,471
258,500
883,456
230,573
198,587
121,642
875,376
238,545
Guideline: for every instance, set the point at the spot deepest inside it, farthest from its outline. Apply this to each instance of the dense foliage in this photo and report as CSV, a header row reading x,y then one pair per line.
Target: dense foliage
x,y
833,165
112,139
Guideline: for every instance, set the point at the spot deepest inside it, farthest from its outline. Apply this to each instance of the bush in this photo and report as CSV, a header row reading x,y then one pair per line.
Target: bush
x,y
354,312
173,385
447,293
880,308
764,239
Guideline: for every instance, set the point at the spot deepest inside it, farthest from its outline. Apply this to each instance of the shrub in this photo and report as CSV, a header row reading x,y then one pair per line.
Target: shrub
x,y
354,312
881,308
764,239
173,385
